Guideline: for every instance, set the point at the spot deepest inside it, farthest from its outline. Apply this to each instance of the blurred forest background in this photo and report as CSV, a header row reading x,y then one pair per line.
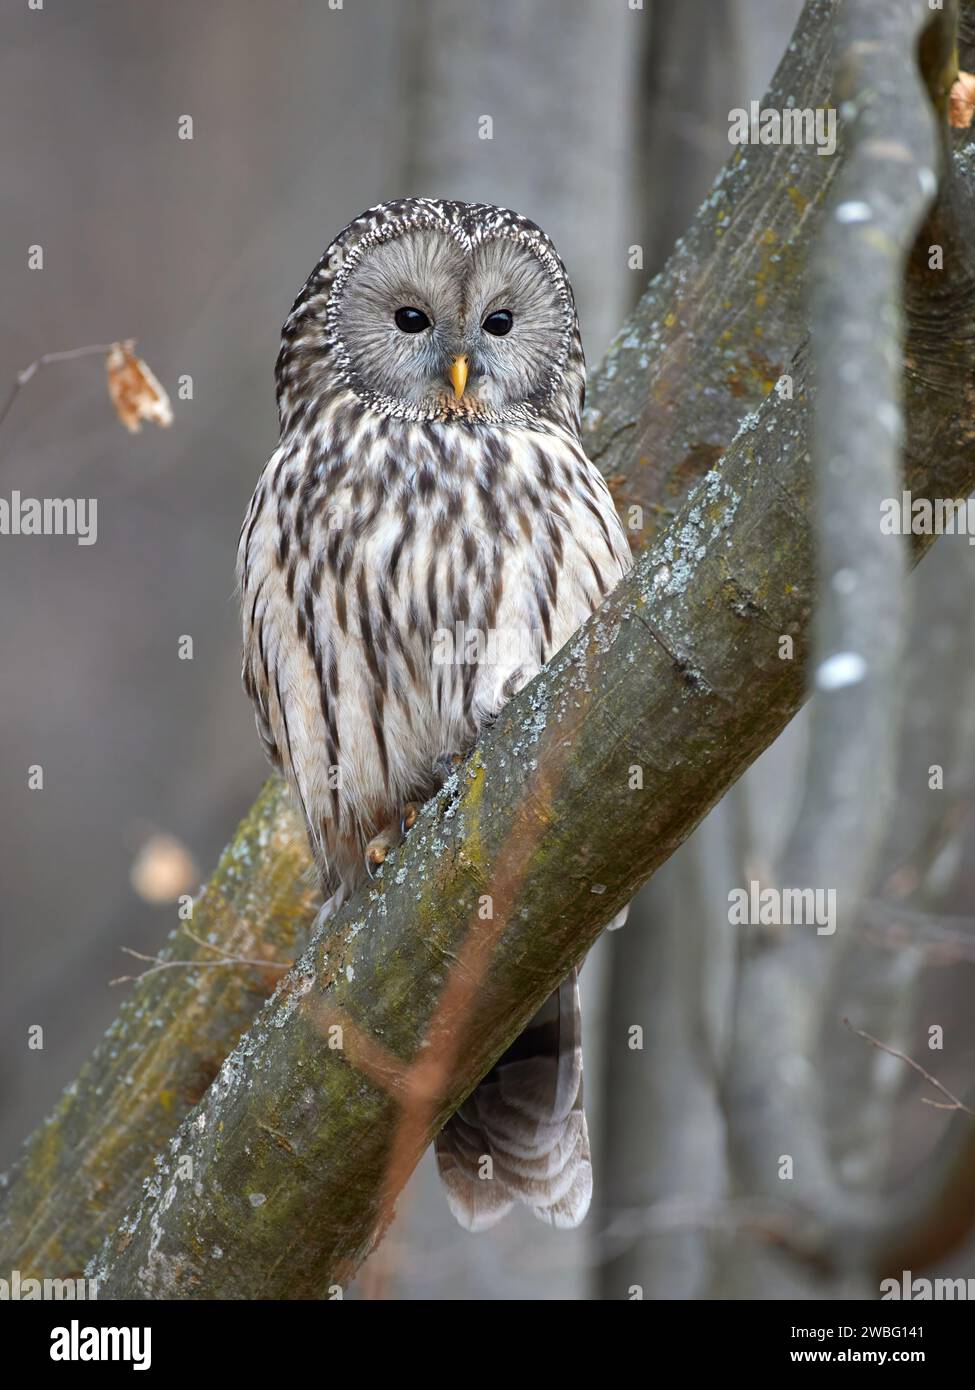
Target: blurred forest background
x,y
609,124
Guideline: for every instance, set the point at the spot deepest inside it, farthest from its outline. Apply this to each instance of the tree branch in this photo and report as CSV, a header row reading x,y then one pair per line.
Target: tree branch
x,y
85,1165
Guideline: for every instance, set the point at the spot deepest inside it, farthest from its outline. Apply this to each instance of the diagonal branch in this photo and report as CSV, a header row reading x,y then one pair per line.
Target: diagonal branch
x,y
85,1165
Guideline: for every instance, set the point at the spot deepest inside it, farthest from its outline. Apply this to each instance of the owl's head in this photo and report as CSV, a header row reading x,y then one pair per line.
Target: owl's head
x,y
436,310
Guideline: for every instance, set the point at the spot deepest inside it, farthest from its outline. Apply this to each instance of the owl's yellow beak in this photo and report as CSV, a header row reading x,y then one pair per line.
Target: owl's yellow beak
x,y
458,375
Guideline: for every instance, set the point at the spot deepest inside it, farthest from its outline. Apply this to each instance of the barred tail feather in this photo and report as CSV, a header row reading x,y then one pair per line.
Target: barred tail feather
x,y
526,1116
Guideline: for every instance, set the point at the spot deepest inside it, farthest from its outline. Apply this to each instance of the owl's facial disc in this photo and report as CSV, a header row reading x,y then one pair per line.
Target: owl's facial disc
x,y
430,322
515,321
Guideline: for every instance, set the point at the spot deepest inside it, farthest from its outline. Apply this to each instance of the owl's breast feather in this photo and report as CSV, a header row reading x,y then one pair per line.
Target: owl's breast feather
x,y
398,589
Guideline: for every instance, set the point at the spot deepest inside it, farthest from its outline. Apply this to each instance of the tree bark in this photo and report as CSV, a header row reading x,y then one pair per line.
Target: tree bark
x,y
82,1169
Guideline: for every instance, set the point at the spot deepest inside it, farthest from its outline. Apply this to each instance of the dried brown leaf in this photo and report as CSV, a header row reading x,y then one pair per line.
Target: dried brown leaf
x,y
134,391
961,101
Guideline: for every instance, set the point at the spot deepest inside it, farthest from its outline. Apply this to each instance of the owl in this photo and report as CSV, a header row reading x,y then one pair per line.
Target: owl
x,y
425,537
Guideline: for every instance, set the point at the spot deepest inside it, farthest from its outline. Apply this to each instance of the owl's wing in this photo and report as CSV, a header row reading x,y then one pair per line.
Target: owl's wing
x,y
252,576
284,637
273,669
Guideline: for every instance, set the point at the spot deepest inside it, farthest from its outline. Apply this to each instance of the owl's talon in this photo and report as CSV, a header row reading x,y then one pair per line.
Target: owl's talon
x,y
389,837
376,851
446,765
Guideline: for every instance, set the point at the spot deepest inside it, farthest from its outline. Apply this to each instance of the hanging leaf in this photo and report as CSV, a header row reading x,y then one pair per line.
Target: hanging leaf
x,y
134,390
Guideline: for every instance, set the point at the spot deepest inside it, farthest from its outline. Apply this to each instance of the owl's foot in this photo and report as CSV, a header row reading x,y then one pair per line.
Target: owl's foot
x,y
446,765
488,707
389,837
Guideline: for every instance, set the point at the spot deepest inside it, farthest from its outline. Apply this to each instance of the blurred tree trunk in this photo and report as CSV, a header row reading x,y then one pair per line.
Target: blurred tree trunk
x,y
539,68
662,1158
661,1137
692,72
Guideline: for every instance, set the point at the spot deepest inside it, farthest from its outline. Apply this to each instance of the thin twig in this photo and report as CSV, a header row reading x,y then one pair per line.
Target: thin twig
x,y
25,374
955,1103
931,936
158,963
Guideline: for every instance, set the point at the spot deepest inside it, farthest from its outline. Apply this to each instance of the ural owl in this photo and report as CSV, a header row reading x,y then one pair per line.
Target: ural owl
x,y
427,534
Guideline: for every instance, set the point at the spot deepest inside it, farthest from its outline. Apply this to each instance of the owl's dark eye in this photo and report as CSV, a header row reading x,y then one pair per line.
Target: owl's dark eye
x,y
499,323
411,320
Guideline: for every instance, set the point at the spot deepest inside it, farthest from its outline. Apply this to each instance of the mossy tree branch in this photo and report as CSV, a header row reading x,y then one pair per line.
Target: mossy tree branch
x,y
82,1169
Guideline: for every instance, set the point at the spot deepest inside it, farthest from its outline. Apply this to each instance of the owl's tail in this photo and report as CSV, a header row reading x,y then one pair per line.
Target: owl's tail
x,y
521,1135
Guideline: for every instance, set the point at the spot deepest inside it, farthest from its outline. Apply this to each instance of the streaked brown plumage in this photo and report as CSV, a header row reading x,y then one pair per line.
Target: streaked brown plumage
x,y
428,533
